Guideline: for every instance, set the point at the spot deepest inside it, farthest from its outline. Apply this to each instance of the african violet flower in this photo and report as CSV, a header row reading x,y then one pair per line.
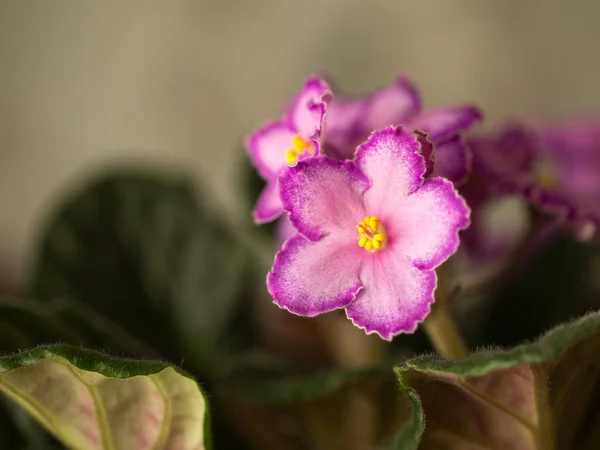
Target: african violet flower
x,y
370,234
286,141
350,121
318,123
554,165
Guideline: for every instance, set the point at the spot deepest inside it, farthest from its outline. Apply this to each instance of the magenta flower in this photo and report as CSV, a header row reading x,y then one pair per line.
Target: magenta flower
x,y
556,166
286,141
350,121
370,234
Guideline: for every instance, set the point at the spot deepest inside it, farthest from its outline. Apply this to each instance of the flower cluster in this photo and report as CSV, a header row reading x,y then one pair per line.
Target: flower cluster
x,y
366,189
368,186
553,165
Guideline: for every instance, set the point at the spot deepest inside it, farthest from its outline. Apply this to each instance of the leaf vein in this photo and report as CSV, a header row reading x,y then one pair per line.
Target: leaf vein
x,y
165,424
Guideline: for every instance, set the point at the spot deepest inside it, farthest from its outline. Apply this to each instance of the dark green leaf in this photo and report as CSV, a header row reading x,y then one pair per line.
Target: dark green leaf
x,y
146,253
539,396
26,322
279,385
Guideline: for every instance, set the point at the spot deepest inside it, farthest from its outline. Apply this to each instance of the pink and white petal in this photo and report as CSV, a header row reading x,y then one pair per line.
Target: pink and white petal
x,y
443,123
267,147
310,278
392,160
323,196
393,105
308,110
268,206
452,160
396,296
425,227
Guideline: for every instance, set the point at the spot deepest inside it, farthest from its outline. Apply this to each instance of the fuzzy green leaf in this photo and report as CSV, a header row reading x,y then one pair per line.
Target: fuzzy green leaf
x,y
91,401
539,396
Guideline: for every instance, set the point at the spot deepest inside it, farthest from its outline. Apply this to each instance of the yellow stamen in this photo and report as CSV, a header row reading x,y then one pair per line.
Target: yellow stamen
x,y
545,173
291,158
299,146
372,234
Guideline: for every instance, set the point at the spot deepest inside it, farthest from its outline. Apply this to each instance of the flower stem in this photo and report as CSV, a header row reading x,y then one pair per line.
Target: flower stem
x,y
444,334
440,327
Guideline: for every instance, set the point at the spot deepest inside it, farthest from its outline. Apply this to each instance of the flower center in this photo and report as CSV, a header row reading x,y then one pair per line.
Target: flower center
x,y
299,146
545,173
371,234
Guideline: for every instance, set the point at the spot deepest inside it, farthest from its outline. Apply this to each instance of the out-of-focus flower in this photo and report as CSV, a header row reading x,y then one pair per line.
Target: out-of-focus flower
x,y
370,234
554,165
499,222
350,121
278,144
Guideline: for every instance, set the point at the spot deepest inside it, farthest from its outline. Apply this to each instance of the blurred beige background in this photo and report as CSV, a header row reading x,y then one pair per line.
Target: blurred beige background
x,y
84,83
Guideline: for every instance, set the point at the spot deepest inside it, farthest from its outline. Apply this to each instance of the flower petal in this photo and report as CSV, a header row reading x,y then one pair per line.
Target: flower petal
x,y
393,105
395,296
452,160
308,110
344,127
268,206
506,157
425,227
444,123
323,195
392,159
310,278
426,151
267,147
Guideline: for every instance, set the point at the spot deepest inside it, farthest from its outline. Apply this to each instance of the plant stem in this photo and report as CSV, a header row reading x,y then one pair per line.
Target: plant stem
x,y
444,334
441,329
351,348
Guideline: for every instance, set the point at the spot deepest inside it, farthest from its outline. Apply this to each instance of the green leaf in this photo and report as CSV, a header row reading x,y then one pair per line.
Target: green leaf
x,y
91,401
539,396
146,253
25,323
279,386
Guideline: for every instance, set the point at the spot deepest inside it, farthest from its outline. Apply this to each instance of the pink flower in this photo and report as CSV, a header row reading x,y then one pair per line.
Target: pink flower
x,y
350,121
370,234
286,141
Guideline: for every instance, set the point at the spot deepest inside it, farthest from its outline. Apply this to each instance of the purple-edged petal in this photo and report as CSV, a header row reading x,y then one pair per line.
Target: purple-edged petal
x,y
310,278
452,160
268,206
395,296
425,227
267,147
393,105
392,160
308,110
323,195
426,151
444,123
